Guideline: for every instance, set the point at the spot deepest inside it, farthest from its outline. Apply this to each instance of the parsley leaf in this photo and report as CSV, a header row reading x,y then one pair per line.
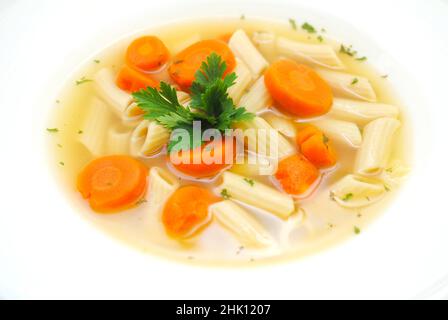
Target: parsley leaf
x,y
308,28
293,24
348,197
213,107
250,181
225,194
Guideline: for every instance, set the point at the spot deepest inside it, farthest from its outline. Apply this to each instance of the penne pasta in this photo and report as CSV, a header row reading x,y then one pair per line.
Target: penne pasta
x,y
354,191
283,125
244,49
110,93
255,165
257,98
118,141
257,194
361,112
240,223
375,150
348,85
242,83
341,131
95,127
318,54
162,185
264,140
265,41
148,139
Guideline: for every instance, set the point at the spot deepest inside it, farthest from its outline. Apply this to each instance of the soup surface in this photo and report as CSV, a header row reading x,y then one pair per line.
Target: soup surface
x,y
365,129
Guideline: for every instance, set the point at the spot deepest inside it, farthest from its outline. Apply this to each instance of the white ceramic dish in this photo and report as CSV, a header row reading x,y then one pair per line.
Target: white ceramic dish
x,y
48,251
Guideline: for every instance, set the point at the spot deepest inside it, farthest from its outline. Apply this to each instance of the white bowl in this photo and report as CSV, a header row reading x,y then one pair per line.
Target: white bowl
x,y
48,251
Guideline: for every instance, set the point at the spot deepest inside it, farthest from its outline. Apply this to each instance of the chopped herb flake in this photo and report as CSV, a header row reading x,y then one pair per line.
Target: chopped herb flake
x,y
249,181
59,145
386,188
357,230
97,61
361,59
53,130
348,197
80,132
308,28
225,194
320,39
293,23
385,76
62,163
141,201
82,81
347,50
355,81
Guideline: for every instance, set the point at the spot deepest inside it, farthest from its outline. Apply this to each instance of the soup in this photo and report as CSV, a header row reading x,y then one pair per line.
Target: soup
x,y
306,142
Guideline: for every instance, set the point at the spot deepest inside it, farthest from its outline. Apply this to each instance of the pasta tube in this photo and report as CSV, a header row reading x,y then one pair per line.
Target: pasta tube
x,y
242,82
244,49
348,85
342,131
110,93
375,150
265,41
162,185
281,124
94,127
264,140
148,139
257,98
118,141
355,191
255,165
318,54
257,194
361,112
240,223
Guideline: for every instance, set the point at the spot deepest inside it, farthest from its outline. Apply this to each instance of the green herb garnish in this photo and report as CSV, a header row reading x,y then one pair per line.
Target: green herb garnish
x,y
62,163
97,61
386,188
249,181
385,76
53,130
225,194
348,50
355,81
293,23
357,230
80,132
308,28
82,81
362,59
348,197
320,38
214,109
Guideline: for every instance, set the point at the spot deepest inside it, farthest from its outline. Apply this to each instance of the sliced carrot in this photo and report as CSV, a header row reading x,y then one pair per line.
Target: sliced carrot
x,y
113,183
225,37
147,54
296,175
188,62
222,151
131,80
316,147
305,133
298,89
186,212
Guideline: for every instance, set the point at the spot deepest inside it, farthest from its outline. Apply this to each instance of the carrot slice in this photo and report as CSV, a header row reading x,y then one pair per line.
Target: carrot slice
x,y
298,89
186,212
113,183
131,80
305,133
189,61
147,54
316,147
222,151
296,175
225,37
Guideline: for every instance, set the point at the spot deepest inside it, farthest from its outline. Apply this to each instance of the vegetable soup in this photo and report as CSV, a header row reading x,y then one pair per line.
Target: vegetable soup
x,y
234,143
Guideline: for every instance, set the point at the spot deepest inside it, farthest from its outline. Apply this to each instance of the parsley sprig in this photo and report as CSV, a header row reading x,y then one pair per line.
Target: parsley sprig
x,y
210,103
